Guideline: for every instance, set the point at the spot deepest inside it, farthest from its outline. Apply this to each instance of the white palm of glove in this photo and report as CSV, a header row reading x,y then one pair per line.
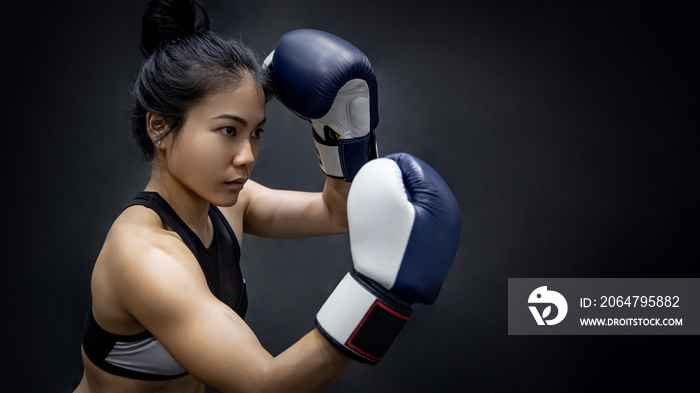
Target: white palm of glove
x,y
348,118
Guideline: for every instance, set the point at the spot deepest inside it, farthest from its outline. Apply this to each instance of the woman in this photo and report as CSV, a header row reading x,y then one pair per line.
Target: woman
x,y
198,110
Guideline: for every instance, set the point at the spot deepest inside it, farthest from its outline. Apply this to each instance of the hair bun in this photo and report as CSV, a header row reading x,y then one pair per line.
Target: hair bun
x,y
165,20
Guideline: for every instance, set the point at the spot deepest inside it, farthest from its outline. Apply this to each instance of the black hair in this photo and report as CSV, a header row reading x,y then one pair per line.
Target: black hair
x,y
185,63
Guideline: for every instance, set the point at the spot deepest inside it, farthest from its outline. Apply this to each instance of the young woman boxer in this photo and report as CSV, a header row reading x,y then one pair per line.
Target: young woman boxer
x,y
168,298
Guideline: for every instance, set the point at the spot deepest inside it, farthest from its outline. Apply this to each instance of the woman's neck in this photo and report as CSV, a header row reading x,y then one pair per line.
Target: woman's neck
x,y
190,207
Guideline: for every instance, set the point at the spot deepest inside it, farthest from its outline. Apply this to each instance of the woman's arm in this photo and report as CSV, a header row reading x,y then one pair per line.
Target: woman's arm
x,y
290,214
169,296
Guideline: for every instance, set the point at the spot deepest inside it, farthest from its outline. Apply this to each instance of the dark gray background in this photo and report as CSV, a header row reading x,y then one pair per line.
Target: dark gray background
x,y
567,130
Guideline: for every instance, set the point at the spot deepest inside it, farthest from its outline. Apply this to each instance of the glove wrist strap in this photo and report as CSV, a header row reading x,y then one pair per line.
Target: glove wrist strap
x,y
360,320
343,158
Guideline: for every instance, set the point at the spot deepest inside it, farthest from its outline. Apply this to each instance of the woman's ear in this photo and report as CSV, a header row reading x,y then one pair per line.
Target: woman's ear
x,y
157,128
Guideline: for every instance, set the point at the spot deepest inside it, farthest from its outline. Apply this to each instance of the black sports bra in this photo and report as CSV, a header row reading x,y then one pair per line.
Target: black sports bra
x,y
141,356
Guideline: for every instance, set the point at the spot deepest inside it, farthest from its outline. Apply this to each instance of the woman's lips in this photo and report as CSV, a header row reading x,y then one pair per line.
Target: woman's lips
x,y
236,184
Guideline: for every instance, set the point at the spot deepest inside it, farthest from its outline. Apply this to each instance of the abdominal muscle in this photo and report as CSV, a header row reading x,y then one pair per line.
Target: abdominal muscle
x,y
96,380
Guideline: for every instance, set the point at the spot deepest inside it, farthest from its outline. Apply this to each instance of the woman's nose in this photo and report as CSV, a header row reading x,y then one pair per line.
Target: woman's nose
x,y
245,156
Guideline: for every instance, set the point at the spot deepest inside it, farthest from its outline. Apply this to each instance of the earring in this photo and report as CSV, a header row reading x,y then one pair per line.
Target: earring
x,y
156,141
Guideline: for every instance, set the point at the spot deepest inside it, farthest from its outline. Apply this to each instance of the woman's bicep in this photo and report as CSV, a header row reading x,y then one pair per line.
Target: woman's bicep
x,y
216,346
222,352
201,333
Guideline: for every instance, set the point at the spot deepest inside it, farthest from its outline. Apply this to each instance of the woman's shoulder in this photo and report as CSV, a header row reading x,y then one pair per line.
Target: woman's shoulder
x,y
139,227
139,241
140,259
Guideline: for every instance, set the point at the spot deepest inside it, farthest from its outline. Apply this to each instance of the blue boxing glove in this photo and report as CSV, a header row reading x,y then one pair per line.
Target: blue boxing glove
x,y
327,80
404,232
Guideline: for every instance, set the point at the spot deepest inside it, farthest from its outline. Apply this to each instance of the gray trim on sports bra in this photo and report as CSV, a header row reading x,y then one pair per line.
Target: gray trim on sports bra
x,y
139,356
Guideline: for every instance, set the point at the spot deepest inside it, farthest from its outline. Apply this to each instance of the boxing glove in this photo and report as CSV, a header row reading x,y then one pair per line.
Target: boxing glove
x,y
404,231
328,81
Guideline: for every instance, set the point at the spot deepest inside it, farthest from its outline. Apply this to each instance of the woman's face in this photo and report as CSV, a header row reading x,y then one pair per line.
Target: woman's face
x,y
217,146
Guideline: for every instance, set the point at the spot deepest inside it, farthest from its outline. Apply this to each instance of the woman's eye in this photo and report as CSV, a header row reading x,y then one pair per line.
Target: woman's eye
x,y
257,133
228,131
